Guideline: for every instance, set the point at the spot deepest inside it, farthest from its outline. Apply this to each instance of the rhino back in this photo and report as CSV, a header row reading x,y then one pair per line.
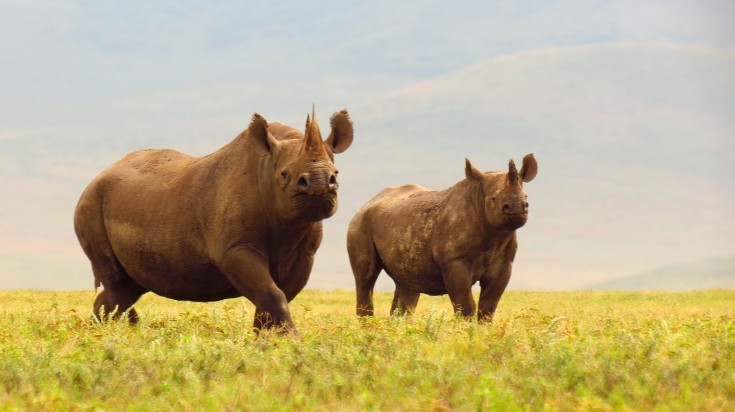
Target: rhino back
x,y
150,195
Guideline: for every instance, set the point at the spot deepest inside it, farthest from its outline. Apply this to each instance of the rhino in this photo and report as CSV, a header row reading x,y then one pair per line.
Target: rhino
x,y
442,242
242,221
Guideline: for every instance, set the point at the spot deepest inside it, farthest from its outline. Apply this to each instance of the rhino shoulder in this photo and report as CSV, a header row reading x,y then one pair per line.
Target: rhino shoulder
x,y
150,166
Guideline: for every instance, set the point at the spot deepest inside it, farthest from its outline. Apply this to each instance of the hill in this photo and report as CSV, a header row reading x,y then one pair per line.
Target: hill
x,y
705,274
621,133
624,135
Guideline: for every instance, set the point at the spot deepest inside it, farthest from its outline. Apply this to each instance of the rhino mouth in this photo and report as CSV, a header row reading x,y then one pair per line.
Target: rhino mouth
x,y
514,221
315,207
307,197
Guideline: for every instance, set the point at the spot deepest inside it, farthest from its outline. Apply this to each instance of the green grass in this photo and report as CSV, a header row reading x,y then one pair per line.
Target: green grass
x,y
544,351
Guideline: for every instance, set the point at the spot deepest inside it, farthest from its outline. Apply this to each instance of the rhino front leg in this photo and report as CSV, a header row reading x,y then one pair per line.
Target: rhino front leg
x,y
264,320
458,282
248,273
491,291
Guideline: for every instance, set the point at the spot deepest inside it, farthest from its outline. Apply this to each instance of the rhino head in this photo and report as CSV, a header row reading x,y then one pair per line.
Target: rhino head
x,y
503,200
299,172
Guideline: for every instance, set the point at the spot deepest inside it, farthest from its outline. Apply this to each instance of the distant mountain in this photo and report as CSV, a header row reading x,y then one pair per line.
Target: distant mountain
x,y
704,274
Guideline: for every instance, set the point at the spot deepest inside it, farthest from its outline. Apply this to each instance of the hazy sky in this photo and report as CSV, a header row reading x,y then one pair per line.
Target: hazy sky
x,y
83,83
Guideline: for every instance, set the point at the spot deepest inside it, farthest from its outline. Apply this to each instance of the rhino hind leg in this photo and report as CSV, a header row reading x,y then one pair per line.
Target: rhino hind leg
x,y
366,266
120,290
109,305
404,301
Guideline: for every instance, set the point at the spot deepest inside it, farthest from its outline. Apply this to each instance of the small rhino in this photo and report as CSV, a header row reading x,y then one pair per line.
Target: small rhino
x,y
442,242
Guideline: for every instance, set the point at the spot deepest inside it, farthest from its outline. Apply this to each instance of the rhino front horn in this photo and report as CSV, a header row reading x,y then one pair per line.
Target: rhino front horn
x,y
312,136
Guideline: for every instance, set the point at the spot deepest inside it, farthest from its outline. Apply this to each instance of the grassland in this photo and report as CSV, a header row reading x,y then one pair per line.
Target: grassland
x,y
544,351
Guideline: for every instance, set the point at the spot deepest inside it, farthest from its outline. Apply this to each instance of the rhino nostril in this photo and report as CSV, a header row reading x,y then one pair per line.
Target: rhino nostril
x,y
303,184
506,208
525,206
333,182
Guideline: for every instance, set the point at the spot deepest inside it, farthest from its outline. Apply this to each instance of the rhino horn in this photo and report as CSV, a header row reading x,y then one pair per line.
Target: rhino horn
x,y
512,172
312,137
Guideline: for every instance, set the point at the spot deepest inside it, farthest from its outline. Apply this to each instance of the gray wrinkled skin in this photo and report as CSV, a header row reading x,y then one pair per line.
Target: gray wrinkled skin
x,y
442,242
243,221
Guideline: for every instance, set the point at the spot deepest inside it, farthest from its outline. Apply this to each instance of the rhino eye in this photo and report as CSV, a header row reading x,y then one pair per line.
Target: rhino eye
x,y
284,174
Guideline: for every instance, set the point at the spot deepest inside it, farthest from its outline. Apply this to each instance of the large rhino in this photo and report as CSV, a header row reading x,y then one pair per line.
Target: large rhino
x,y
242,221
442,242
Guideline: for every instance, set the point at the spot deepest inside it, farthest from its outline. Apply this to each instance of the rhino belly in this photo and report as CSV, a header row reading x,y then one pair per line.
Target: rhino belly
x,y
429,284
181,280
168,265
199,285
404,243
416,271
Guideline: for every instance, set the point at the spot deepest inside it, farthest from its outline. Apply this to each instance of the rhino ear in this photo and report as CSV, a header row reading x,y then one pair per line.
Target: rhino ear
x,y
529,168
263,141
470,172
340,138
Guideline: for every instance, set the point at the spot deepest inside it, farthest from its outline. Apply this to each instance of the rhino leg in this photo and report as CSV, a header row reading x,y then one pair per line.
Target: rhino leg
x,y
458,282
364,289
111,304
404,301
490,293
365,262
119,294
248,272
366,267
120,291
264,320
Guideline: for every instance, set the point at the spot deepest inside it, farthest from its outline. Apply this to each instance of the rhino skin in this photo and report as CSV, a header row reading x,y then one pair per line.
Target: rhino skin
x,y
442,242
242,221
